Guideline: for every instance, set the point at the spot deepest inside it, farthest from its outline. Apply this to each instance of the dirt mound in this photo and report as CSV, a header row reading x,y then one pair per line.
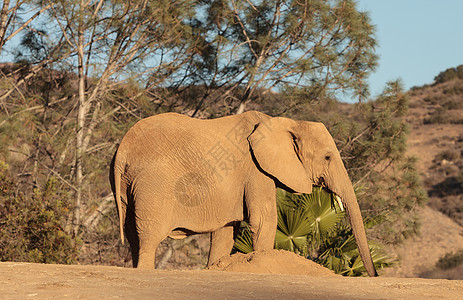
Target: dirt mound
x,y
271,262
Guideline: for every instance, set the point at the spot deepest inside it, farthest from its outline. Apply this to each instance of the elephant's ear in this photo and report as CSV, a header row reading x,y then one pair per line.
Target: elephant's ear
x,y
274,146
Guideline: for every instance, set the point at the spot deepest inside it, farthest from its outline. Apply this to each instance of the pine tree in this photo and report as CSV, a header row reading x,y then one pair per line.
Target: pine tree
x,y
253,47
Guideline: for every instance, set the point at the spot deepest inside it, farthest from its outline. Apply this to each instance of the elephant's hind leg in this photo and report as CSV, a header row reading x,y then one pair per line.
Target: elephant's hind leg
x,y
152,222
150,234
148,243
222,241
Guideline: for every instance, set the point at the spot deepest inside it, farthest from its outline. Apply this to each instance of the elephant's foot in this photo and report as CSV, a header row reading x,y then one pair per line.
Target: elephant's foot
x,y
221,243
146,259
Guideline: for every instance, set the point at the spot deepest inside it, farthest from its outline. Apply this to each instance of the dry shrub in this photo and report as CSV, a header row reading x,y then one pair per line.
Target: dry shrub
x,y
449,266
449,155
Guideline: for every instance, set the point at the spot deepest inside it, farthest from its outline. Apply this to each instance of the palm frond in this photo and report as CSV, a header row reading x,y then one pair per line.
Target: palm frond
x,y
292,231
319,208
243,242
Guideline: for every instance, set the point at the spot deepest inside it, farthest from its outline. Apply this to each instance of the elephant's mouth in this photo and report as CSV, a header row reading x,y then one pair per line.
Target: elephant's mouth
x,y
335,197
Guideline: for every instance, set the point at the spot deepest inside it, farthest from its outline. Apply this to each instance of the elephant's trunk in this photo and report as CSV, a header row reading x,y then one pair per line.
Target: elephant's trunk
x,y
358,229
345,190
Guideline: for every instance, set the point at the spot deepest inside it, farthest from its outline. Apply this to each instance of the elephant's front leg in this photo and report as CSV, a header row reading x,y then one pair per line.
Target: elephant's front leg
x,y
262,211
263,223
222,241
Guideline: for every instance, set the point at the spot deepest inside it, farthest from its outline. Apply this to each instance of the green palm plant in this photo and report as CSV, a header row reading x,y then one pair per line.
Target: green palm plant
x,y
305,219
312,225
340,252
243,242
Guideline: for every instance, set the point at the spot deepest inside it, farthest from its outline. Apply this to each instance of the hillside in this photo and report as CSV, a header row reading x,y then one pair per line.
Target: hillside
x,y
436,139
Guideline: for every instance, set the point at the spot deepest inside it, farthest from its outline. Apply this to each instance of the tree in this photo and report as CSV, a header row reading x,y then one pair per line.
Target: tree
x,y
326,47
11,22
111,41
449,74
33,228
93,68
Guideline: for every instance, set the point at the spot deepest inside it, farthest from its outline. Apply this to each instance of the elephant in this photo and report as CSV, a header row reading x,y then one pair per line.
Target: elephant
x,y
173,175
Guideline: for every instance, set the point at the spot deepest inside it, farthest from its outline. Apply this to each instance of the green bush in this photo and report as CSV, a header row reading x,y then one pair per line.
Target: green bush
x,y
33,228
314,226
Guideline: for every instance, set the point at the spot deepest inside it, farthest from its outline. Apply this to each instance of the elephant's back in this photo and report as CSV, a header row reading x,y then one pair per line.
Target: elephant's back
x,y
165,130
172,139
171,126
164,141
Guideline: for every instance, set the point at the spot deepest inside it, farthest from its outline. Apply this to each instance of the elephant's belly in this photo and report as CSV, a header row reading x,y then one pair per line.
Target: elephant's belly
x,y
207,218
181,233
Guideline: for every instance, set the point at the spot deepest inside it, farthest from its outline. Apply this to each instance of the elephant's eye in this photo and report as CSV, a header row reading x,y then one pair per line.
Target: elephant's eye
x,y
327,157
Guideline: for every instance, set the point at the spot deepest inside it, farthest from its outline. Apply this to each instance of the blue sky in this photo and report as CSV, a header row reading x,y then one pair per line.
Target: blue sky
x,y
417,39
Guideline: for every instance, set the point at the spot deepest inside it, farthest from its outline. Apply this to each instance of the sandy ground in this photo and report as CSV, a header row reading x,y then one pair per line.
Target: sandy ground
x,y
38,281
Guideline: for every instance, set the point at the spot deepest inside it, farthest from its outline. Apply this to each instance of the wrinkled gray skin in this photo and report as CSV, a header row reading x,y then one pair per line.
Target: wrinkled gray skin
x,y
173,175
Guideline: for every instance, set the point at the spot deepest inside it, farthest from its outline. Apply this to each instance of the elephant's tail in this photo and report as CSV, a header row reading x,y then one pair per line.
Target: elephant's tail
x,y
119,165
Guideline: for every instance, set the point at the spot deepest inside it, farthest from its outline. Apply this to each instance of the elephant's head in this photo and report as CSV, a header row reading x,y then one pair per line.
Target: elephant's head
x,y
300,154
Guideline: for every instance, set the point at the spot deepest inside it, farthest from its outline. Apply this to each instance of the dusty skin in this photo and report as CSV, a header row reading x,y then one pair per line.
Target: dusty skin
x,y
40,281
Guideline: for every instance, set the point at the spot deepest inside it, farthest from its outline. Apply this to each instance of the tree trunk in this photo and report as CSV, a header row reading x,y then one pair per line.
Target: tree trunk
x,y
3,19
82,110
